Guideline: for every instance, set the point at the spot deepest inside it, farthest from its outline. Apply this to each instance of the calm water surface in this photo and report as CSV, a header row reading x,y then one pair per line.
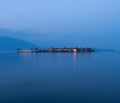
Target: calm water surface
x,y
60,78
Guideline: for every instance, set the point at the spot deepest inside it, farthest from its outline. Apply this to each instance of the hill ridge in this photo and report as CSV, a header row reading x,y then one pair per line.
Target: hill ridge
x,y
12,44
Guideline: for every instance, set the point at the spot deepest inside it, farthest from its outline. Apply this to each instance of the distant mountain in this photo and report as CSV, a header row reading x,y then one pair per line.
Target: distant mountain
x,y
12,44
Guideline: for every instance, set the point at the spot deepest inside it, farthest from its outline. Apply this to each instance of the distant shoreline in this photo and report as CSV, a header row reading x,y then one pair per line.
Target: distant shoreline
x,y
57,50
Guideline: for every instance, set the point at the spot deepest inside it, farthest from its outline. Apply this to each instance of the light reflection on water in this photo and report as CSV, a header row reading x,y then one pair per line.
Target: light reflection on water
x,y
60,77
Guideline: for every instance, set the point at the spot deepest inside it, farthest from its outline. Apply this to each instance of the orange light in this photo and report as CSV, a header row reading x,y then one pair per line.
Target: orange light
x,y
74,50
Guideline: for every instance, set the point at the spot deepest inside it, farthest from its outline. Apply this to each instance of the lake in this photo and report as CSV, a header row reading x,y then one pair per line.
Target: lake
x,y
60,78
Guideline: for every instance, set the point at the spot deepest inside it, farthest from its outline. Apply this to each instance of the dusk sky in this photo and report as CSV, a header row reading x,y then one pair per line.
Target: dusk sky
x,y
94,23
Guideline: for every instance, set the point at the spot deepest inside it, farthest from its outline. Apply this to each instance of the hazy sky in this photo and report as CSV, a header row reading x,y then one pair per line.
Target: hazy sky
x,y
93,23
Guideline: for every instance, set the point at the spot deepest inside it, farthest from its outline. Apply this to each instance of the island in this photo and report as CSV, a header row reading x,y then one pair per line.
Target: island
x,y
57,50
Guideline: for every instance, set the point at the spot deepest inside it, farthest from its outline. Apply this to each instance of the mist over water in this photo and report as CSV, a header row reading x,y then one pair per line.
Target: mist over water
x,y
60,77
88,23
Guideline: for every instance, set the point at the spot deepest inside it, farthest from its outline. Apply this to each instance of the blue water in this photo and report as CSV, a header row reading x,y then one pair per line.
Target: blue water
x,y
60,78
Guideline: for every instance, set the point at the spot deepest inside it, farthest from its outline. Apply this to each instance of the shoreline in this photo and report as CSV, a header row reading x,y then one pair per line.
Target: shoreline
x,y
56,50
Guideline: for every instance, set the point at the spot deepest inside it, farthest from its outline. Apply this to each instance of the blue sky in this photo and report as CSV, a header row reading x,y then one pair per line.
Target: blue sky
x,y
93,23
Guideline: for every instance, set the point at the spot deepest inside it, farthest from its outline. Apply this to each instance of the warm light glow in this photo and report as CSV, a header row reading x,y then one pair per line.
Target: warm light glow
x,y
74,50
